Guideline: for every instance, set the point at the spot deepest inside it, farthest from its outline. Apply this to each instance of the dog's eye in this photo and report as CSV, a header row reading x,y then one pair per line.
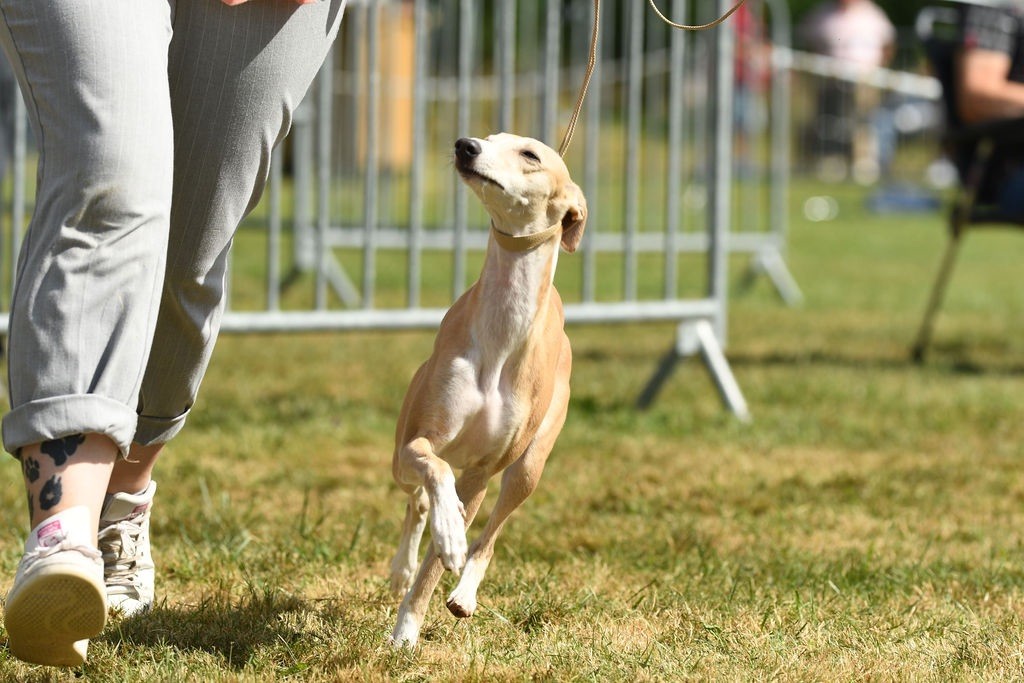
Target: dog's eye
x,y
532,156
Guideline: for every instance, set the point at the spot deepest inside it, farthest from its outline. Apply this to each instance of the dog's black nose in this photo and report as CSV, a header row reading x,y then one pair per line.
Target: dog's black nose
x,y
467,149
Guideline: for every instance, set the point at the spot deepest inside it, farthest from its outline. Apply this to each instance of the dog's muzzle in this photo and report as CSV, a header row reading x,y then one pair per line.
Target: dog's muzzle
x,y
466,150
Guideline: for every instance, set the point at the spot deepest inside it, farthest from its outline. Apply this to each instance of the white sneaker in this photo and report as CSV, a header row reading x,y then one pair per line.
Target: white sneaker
x,y
128,568
57,601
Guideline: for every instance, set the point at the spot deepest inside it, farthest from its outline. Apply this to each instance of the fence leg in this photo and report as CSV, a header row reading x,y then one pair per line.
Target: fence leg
x,y
665,367
698,336
924,333
341,283
769,261
305,248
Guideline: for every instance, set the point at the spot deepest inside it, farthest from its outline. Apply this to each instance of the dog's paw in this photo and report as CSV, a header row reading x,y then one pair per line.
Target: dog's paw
x,y
462,603
406,633
448,530
401,580
462,600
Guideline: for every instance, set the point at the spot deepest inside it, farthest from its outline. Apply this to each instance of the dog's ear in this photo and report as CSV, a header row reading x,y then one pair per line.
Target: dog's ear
x,y
574,219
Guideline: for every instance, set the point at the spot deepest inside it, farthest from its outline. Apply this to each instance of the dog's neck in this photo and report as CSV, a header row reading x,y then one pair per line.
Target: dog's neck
x,y
517,287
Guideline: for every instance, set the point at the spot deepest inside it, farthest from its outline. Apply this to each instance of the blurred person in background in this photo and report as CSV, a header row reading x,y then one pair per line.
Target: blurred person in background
x,y
990,86
851,130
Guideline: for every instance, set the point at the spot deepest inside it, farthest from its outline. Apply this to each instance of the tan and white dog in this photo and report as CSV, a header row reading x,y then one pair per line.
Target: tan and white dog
x,y
493,395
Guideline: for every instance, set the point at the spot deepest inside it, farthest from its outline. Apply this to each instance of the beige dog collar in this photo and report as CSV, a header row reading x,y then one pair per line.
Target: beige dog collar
x,y
524,242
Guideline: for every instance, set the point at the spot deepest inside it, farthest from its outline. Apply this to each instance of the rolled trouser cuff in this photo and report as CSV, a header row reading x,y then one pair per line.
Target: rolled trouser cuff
x,y
152,430
56,417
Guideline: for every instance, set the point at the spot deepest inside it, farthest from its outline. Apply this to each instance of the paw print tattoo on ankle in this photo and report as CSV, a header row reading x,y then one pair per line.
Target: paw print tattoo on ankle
x,y
61,449
51,493
30,468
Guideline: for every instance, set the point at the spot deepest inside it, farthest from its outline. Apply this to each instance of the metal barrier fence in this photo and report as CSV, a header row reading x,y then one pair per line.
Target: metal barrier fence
x,y
374,192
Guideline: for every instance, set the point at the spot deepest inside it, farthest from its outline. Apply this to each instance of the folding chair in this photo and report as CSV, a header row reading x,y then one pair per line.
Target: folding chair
x,y
976,151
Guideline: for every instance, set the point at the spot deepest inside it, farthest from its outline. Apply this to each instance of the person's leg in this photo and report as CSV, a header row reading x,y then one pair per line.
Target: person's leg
x,y
91,266
865,148
133,474
93,73
236,75
69,472
129,571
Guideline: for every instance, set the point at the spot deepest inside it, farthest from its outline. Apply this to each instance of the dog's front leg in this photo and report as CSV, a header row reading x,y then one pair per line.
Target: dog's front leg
x,y
472,487
419,466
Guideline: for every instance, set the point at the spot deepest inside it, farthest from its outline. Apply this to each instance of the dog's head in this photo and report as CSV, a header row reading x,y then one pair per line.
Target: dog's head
x,y
523,184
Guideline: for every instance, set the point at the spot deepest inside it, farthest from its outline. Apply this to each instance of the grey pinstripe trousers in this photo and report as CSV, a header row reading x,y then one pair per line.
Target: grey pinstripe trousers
x,y
155,121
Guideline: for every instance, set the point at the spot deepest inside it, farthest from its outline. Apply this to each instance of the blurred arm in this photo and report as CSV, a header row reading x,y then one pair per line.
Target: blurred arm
x,y
985,91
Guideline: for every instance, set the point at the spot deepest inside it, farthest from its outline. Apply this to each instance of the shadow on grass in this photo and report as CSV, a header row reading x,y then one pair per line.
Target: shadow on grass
x,y
233,631
951,359
957,357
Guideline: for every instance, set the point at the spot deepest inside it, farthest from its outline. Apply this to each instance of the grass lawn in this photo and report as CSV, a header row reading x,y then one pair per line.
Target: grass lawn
x,y
869,524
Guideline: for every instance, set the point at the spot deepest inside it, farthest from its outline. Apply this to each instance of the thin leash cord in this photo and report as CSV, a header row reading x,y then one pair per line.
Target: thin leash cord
x,y
592,59
697,27
591,62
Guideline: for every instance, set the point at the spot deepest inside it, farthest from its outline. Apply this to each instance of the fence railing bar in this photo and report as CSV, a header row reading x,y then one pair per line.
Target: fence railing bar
x,y
465,89
323,178
370,207
421,21
303,156
429,318
592,135
720,169
506,31
397,238
926,87
781,92
274,233
552,54
674,171
634,118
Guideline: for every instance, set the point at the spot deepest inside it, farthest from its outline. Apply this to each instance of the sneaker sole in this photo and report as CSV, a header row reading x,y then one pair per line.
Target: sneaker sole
x,y
53,614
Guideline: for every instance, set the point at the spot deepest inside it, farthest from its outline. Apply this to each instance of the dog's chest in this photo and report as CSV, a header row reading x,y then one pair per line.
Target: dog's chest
x,y
486,412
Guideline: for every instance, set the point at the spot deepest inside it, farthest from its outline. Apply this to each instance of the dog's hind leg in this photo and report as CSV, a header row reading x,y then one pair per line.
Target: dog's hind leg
x,y
414,606
471,487
517,483
403,566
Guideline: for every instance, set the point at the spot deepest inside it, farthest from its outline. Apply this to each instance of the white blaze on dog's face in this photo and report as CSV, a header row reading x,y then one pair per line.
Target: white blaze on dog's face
x,y
523,184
